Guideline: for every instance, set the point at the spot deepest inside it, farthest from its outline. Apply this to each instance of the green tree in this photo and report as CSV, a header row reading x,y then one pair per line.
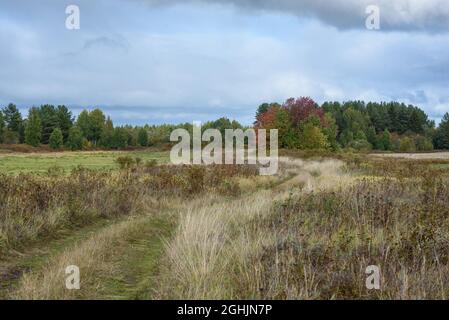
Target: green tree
x,y
142,137
75,139
97,122
371,136
49,120
386,140
120,138
33,129
442,135
12,117
106,139
415,122
312,137
91,124
65,120
83,123
56,139
2,126
331,131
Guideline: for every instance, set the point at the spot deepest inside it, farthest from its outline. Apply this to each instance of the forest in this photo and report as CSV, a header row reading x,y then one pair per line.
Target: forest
x,y
302,124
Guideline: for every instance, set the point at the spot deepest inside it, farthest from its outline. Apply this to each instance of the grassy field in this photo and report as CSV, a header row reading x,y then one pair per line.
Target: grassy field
x,y
224,232
15,163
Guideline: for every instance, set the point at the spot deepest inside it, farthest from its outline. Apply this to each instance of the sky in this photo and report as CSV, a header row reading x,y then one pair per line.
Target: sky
x,y
168,61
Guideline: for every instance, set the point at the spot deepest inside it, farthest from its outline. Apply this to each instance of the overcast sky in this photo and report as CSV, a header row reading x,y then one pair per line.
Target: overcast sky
x,y
154,61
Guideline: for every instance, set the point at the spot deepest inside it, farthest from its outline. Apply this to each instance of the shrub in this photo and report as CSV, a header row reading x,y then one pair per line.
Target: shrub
x,y
407,145
423,144
151,163
360,145
125,162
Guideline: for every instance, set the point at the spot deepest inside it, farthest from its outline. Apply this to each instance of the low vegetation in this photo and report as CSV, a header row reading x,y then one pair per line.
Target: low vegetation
x,y
147,230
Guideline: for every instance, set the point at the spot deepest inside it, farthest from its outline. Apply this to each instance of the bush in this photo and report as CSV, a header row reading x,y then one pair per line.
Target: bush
x,y
423,144
151,163
360,145
125,162
407,145
10,137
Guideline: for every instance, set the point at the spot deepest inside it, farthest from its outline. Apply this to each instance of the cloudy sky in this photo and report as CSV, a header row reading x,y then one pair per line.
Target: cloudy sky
x,y
168,61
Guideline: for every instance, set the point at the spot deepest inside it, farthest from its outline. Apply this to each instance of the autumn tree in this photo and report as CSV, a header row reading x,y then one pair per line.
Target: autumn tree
x,y
301,109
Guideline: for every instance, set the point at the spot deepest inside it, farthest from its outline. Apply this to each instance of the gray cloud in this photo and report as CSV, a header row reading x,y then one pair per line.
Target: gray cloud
x,y
197,61
424,15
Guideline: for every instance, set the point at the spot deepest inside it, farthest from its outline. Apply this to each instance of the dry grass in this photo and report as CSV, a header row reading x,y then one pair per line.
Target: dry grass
x,y
308,233
313,236
211,254
415,156
94,259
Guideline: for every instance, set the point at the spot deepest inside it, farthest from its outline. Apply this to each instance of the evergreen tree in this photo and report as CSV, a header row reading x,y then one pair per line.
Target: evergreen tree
x,y
143,137
65,120
75,139
442,134
2,126
372,137
33,129
386,140
13,120
120,138
106,139
415,123
56,140
49,120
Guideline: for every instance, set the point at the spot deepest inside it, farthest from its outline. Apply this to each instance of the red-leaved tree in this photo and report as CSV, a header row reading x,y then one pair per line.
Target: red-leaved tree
x,y
301,109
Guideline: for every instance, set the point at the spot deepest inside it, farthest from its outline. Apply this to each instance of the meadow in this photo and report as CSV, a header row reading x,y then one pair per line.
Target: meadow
x,y
15,163
224,232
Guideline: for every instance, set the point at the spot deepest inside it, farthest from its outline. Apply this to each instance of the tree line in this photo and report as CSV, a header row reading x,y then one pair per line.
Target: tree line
x,y
57,127
303,124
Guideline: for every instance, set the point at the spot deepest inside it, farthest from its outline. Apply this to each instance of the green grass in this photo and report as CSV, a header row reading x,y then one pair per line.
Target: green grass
x,y
139,265
101,160
441,166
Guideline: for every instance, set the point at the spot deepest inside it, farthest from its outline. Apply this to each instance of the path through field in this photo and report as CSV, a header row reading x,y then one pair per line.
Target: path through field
x,y
182,251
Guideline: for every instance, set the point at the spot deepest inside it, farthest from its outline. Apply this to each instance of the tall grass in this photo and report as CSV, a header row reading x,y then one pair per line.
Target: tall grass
x,y
315,236
35,207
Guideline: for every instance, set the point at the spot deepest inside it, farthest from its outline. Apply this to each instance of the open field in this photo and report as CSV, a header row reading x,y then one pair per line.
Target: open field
x,y
223,232
416,156
14,163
